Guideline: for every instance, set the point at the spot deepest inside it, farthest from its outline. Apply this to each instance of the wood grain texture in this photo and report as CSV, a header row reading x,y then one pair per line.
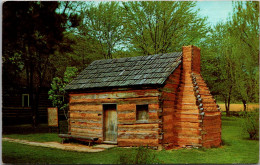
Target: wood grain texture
x,y
86,111
137,142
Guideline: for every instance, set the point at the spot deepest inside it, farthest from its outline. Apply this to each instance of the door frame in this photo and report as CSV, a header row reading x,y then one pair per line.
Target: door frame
x,y
103,124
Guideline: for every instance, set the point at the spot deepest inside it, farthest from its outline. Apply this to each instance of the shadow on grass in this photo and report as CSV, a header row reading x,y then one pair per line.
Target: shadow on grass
x,y
225,143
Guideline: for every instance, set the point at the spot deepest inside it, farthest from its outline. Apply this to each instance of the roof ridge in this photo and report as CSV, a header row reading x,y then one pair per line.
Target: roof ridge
x,y
115,59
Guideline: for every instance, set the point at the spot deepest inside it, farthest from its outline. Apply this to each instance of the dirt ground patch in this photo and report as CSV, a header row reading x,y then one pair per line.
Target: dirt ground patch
x,y
68,146
238,107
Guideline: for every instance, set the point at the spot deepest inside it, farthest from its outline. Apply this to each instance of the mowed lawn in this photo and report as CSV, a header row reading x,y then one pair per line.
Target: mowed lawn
x,y
236,149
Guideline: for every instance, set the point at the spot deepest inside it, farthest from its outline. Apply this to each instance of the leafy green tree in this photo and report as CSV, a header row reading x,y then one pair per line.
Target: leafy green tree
x,y
218,63
57,92
33,31
103,22
83,50
245,36
230,56
160,27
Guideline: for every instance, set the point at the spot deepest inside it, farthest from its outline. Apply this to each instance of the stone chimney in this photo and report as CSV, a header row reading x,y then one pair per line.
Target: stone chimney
x,y
191,59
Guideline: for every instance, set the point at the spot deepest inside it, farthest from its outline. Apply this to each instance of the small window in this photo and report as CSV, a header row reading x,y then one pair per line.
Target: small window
x,y
142,112
25,100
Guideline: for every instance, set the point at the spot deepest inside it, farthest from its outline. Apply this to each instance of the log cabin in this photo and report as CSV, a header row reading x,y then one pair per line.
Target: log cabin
x,y
17,108
157,100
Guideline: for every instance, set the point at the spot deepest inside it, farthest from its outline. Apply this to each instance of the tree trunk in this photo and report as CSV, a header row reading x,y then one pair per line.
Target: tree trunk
x,y
32,97
36,108
244,103
227,102
227,107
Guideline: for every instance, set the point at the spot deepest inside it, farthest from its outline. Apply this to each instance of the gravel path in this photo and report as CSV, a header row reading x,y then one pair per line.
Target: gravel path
x,y
68,146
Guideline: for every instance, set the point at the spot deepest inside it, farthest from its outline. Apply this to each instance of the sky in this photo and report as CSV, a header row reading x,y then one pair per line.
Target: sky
x,y
215,10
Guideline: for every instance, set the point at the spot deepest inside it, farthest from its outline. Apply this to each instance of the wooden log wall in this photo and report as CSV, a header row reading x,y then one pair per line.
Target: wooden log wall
x,y
211,120
86,116
169,97
14,113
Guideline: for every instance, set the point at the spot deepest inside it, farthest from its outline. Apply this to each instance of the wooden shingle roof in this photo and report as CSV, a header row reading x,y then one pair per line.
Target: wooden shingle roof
x,y
130,71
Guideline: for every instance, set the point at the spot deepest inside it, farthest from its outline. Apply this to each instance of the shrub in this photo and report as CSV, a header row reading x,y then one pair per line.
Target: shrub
x,y
57,92
250,123
141,155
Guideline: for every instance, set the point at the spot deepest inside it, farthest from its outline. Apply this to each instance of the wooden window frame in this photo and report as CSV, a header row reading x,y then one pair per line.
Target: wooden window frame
x,y
23,95
142,121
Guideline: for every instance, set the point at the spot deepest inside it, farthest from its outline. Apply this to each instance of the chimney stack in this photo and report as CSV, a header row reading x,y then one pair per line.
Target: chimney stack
x,y
191,59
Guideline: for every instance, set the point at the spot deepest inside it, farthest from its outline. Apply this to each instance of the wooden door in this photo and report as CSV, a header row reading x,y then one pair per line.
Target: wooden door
x,y
110,122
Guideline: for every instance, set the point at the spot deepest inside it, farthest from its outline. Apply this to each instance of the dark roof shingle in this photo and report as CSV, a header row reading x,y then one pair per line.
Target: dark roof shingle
x,y
130,71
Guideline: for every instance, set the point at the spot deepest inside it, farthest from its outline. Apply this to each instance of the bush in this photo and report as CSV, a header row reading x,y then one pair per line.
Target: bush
x,y
141,155
250,123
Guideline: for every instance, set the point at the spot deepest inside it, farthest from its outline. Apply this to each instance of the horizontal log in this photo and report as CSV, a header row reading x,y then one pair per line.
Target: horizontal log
x,y
187,107
126,107
212,113
187,112
87,112
116,95
186,101
138,127
92,131
100,136
154,107
210,108
186,119
85,115
188,134
126,112
153,115
186,125
137,142
187,131
191,116
187,140
138,135
86,107
187,87
86,124
96,120
139,101
127,116
86,127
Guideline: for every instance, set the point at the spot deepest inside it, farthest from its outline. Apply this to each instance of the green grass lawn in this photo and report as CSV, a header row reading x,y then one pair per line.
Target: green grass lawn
x,y
37,137
236,149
